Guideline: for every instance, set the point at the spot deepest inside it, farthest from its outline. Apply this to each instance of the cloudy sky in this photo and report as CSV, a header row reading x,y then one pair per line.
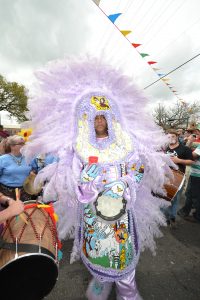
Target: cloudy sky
x,y
33,32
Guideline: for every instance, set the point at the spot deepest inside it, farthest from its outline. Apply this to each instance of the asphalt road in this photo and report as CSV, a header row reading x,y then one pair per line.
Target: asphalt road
x,y
173,274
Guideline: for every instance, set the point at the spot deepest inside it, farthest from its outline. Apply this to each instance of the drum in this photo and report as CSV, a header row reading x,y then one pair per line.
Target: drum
x,y
174,185
28,256
110,209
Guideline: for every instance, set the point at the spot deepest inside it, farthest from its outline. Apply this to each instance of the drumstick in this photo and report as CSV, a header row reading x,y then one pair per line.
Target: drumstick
x,y
17,193
23,218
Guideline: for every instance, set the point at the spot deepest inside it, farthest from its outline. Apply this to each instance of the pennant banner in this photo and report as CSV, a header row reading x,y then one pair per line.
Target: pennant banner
x,y
161,75
125,32
136,45
113,18
144,54
165,79
152,62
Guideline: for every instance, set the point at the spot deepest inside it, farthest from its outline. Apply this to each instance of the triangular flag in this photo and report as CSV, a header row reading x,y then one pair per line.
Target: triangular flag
x,y
160,75
165,79
125,32
152,62
144,54
136,45
113,18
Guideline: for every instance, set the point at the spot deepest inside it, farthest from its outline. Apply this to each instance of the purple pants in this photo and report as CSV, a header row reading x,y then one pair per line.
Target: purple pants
x,y
126,289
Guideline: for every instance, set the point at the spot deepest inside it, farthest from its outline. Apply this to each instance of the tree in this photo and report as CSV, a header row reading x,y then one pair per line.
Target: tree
x,y
178,115
13,99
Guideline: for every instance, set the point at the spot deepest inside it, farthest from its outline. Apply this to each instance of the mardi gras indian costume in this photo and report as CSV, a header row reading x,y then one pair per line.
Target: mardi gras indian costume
x,y
104,184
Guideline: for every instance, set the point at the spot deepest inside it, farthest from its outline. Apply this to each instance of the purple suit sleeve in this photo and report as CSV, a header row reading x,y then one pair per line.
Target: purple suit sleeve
x,y
87,192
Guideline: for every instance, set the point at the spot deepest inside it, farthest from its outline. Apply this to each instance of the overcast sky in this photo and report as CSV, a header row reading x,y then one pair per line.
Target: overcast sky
x,y
33,32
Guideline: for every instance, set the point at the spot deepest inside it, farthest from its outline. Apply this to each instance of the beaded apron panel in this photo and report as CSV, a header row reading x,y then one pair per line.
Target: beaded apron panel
x,y
108,247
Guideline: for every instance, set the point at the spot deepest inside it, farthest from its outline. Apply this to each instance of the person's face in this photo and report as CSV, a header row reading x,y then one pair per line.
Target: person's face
x,y
16,147
173,139
180,131
187,133
100,125
196,132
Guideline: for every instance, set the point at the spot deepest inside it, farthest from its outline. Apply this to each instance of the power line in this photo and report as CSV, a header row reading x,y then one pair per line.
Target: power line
x,y
172,71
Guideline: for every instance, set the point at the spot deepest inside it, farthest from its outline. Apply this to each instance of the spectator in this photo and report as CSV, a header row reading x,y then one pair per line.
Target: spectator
x,y
180,133
194,138
3,133
182,156
187,133
41,161
37,164
13,168
193,191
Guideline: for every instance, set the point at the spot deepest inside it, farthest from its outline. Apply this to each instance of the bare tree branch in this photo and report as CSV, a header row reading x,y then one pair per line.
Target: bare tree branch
x,y
178,115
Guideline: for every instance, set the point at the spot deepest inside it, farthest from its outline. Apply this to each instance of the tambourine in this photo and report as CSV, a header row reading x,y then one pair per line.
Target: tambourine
x,y
109,208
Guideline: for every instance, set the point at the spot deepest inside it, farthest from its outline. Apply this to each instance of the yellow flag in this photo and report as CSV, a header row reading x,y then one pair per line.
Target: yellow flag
x,y
125,32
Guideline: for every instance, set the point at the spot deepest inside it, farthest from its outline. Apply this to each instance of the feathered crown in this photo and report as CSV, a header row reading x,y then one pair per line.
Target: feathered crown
x,y
68,87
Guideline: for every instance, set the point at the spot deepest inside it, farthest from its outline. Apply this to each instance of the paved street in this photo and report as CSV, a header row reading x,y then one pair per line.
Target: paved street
x,y
173,274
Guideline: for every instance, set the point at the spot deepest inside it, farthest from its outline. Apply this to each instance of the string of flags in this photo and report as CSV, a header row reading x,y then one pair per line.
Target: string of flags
x,y
151,63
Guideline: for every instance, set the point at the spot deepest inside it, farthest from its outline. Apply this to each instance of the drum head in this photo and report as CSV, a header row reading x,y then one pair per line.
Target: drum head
x,y
110,209
28,277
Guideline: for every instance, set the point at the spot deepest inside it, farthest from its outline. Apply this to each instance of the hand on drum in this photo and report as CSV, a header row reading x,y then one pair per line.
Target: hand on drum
x,y
89,173
114,189
16,207
175,159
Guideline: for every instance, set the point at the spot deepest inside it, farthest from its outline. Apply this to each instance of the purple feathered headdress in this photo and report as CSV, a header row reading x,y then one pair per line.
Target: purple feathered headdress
x,y
71,90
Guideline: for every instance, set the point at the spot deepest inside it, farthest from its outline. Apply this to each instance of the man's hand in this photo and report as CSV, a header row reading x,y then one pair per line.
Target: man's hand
x,y
175,159
16,207
114,189
89,173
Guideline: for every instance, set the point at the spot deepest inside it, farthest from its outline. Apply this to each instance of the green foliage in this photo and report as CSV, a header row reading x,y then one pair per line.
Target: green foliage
x,y
13,99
